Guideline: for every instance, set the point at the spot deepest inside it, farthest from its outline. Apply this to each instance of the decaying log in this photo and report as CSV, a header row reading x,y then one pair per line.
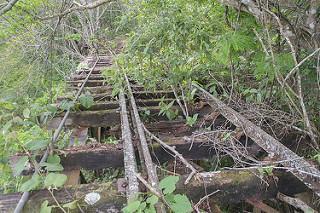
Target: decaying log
x,y
130,164
234,186
302,169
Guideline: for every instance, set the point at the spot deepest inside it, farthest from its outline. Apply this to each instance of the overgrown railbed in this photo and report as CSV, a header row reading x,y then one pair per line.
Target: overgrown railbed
x,y
243,171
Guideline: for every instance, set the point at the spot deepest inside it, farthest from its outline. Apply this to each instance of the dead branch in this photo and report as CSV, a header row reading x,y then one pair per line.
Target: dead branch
x,y
268,143
196,206
78,8
8,7
300,63
295,202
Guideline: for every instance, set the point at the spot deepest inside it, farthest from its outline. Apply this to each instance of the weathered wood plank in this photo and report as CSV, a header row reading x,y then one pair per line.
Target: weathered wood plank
x,y
90,83
99,156
76,77
102,118
103,89
234,186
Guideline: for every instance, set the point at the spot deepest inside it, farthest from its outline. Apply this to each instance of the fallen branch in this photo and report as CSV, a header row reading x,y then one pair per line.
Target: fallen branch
x,y
303,170
8,7
172,149
295,202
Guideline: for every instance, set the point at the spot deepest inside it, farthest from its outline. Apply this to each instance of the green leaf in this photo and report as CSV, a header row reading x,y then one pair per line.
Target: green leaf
x,y
26,113
181,204
45,208
71,205
51,108
142,206
66,105
53,159
6,127
55,180
150,209
52,167
19,167
31,184
152,200
131,207
37,145
192,120
86,101
226,136
168,184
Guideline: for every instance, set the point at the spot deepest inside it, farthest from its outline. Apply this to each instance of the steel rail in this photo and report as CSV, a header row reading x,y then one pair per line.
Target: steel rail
x,y
25,196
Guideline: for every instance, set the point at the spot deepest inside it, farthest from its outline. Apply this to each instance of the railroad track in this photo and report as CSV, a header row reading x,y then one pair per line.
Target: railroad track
x,y
148,139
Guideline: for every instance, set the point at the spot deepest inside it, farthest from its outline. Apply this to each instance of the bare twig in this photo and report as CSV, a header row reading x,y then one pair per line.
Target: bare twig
x,y
172,149
78,8
196,206
300,93
55,200
300,63
184,100
179,102
149,187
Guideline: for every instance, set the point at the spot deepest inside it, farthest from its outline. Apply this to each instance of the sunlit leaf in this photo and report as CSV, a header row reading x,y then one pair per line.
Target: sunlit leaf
x,y
168,184
45,208
20,165
31,184
55,180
